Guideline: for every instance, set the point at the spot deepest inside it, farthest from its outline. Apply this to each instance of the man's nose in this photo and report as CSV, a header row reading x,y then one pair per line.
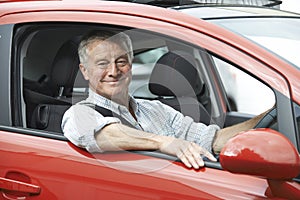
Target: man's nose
x,y
113,69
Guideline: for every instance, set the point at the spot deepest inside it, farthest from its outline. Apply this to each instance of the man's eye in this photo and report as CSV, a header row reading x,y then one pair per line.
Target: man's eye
x,y
122,62
102,64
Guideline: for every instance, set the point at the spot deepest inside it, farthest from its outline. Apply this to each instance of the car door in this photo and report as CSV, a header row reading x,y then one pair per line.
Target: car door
x,y
43,164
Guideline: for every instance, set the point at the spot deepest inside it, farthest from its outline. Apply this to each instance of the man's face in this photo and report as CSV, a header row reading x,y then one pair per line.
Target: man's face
x,y
108,69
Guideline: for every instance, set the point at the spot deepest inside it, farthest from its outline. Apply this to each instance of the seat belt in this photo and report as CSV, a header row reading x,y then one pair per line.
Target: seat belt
x,y
39,98
108,113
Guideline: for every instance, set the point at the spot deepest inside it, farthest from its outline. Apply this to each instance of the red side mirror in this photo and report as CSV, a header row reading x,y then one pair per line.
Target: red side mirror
x,y
261,152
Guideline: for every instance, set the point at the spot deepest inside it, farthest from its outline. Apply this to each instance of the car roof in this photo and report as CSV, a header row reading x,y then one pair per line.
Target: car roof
x,y
169,3
123,8
22,6
212,12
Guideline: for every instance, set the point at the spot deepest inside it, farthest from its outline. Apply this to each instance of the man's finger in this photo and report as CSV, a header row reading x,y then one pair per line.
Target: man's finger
x,y
194,161
188,152
208,155
196,156
183,159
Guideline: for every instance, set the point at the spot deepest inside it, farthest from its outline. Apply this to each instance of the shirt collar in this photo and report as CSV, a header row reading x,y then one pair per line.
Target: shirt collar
x,y
109,104
134,104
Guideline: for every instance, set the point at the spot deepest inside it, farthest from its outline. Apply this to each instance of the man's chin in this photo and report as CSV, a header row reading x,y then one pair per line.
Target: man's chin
x,y
113,92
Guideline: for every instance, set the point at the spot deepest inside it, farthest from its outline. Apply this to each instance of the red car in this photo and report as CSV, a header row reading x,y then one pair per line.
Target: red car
x,y
40,80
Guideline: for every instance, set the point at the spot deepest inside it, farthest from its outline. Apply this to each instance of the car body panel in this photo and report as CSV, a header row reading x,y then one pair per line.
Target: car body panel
x,y
58,164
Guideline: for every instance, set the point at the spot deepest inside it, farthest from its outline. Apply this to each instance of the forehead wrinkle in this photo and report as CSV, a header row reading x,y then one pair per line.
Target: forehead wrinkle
x,y
106,50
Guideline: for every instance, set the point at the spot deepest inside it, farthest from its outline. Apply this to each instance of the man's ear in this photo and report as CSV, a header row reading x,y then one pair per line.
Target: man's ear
x,y
84,72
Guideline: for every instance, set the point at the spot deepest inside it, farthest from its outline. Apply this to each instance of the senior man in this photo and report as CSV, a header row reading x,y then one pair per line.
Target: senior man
x,y
105,62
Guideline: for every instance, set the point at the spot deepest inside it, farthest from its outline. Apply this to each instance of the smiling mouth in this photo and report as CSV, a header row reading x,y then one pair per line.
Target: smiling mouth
x,y
113,81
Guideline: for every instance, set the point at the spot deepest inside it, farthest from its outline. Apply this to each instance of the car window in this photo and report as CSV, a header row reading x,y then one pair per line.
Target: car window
x,y
277,34
52,81
245,93
150,56
142,66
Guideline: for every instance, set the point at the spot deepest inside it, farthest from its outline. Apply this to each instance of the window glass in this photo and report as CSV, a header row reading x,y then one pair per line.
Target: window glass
x,y
279,35
142,66
150,56
245,93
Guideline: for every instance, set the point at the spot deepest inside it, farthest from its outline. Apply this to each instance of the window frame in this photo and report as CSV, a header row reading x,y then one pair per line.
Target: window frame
x,y
212,45
6,43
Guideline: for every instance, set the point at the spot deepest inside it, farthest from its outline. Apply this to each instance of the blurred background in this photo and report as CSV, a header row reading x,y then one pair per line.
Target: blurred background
x,y
290,5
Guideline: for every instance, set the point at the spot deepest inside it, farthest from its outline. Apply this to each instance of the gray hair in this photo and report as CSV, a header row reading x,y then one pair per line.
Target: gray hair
x,y
117,37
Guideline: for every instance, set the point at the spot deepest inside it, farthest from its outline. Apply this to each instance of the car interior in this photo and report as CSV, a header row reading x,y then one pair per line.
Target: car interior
x,y
164,69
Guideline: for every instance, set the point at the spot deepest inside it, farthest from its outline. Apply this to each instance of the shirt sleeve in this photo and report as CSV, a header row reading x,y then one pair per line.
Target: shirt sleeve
x,y
80,123
185,128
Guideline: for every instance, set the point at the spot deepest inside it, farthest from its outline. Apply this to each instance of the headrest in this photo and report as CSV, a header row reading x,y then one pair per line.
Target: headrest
x,y
65,64
175,74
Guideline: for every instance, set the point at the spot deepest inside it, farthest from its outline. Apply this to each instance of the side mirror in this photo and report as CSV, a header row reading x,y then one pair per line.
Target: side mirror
x,y
261,152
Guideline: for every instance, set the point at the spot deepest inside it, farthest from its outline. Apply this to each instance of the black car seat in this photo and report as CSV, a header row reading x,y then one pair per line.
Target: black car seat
x,y
175,79
47,100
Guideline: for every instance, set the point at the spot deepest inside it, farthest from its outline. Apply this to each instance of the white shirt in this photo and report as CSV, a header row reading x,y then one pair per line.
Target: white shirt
x,y
81,122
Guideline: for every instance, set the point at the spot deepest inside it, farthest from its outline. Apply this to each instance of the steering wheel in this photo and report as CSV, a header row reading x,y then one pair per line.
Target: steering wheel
x,y
270,119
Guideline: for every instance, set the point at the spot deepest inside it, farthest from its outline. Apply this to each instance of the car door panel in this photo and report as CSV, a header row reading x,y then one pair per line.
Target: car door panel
x,y
235,118
63,171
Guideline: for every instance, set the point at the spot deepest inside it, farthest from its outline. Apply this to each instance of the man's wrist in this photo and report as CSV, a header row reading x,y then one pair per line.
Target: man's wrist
x,y
163,142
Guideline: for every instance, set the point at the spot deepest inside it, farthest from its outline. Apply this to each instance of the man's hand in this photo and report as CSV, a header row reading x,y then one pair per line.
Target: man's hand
x,y
116,137
223,135
188,152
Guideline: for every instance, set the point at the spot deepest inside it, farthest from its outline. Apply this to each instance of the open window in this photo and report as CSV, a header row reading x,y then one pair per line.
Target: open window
x,y
182,75
52,82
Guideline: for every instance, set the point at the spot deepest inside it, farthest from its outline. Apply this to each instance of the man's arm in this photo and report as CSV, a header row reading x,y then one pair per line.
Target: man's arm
x,y
115,137
223,135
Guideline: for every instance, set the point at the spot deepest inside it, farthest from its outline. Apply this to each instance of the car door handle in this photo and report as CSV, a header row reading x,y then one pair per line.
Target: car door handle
x,y
13,185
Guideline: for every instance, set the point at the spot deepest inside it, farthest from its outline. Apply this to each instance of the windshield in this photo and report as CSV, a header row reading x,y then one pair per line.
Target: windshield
x,y
279,35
